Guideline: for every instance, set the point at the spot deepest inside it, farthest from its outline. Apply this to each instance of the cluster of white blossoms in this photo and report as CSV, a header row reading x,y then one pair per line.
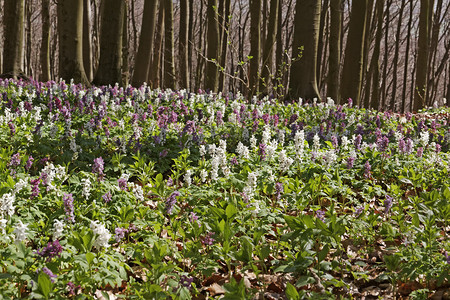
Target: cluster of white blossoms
x,y
86,191
424,138
58,228
218,160
7,205
20,232
242,151
49,173
137,191
299,143
284,161
102,234
187,177
252,181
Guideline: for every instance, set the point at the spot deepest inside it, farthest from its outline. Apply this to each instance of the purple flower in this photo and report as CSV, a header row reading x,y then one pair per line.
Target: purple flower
x,y
438,148
382,143
120,233
35,187
68,207
234,161
72,288
320,214
207,239
279,188
419,152
122,183
194,218
350,162
266,118
387,204
367,168
219,117
402,146
359,211
163,153
51,250
358,140
98,166
262,151
334,141
49,273
170,202
12,128
169,181
186,281
107,197
29,163
447,257
15,160
350,102
409,146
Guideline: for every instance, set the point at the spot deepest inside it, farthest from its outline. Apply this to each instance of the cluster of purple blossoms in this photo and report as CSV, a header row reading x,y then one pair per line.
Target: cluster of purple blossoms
x,y
219,117
186,281
35,187
12,128
194,218
72,289
68,207
387,204
15,160
358,140
51,250
29,163
170,202
367,168
49,273
262,151
382,143
447,257
98,167
350,162
122,182
120,233
359,211
107,197
279,188
320,214
207,239
169,181
419,152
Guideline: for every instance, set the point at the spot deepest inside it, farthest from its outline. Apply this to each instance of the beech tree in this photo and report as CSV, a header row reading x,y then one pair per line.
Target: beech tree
x,y
211,76
45,41
169,47
255,47
13,50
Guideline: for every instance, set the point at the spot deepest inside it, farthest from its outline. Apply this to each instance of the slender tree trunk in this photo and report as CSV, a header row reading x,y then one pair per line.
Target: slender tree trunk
x,y
408,43
87,41
169,48
255,47
303,77
191,41
322,37
110,62
155,69
211,75
144,54
183,43
279,50
375,63
200,60
267,73
70,22
396,56
44,54
125,68
422,57
335,49
353,60
384,88
224,43
448,86
368,38
435,30
28,33
13,38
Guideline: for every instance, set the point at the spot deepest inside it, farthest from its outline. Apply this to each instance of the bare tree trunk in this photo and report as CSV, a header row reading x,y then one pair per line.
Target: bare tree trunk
x,y
169,47
374,72
448,86
200,59
87,41
408,43
396,56
422,57
384,88
144,54
353,60
211,75
255,47
183,44
125,68
110,62
28,33
335,49
368,37
320,47
191,41
435,30
45,42
224,43
267,73
279,50
13,38
155,69
70,22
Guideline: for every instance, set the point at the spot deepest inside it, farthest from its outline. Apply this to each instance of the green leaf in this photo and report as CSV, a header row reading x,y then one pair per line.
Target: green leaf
x,y
44,284
291,292
323,253
230,211
90,257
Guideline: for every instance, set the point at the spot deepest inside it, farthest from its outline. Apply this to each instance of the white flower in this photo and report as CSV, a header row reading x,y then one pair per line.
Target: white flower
x,y
7,204
138,192
316,143
266,135
103,235
19,186
3,223
215,168
284,161
202,150
242,151
424,138
203,175
86,187
58,227
281,137
330,157
253,141
187,178
20,232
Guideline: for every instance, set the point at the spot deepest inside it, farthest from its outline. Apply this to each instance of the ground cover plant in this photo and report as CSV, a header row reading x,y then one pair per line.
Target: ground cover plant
x,y
137,193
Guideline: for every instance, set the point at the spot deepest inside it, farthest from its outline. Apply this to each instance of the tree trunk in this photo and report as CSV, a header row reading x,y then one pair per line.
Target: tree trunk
x,y
320,48
13,38
255,47
110,62
384,88
375,63
125,68
353,60
396,56
144,54
422,56
44,54
267,73
87,41
224,43
335,49
70,31
183,44
368,38
408,43
211,76
155,69
28,68
191,41
279,51
169,47
303,77
448,86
